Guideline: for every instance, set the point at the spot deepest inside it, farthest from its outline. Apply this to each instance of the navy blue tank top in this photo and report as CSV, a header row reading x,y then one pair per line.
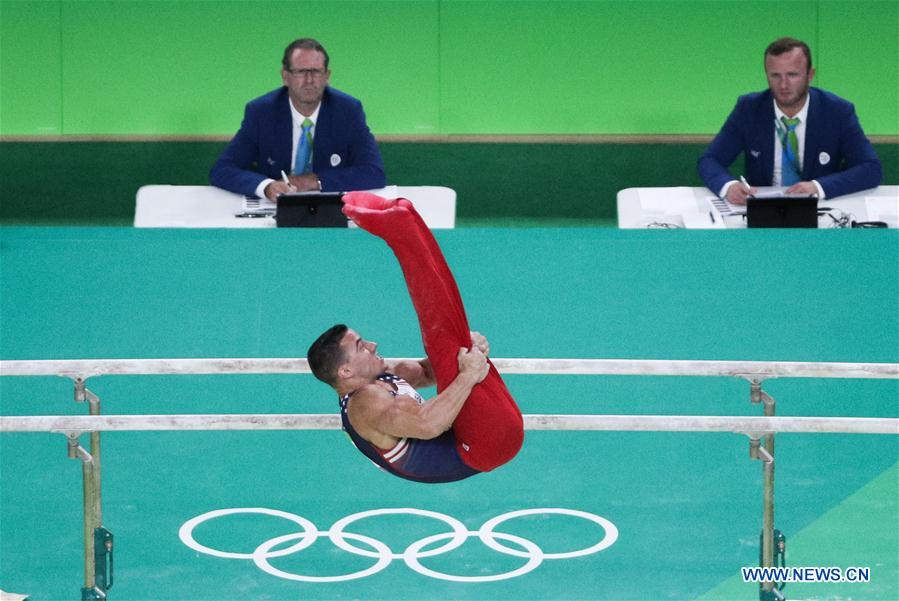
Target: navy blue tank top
x,y
434,460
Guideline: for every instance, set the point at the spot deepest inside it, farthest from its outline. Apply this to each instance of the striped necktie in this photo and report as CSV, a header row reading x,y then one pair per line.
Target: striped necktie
x,y
789,158
303,162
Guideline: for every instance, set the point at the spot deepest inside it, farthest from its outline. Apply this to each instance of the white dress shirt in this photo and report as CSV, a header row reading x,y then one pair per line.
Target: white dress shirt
x,y
297,118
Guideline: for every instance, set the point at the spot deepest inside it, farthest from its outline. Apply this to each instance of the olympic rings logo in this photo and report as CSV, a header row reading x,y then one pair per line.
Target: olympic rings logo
x,y
411,555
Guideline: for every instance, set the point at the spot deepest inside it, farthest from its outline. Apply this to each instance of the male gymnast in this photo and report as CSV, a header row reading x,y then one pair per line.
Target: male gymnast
x,y
473,425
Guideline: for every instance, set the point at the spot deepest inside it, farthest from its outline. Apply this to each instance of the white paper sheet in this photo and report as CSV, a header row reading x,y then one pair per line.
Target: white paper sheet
x,y
667,200
884,209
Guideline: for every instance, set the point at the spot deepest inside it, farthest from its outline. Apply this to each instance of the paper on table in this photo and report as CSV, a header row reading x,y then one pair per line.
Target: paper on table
x,y
667,200
726,208
259,205
771,194
883,209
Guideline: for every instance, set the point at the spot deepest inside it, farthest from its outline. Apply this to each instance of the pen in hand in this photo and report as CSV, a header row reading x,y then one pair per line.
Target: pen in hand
x,y
287,181
742,179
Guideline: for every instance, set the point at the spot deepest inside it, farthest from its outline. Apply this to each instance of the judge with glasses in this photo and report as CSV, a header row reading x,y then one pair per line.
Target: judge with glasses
x,y
304,136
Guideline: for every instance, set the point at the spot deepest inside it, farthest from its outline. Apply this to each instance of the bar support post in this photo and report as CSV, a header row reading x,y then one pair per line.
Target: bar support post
x,y
765,453
94,587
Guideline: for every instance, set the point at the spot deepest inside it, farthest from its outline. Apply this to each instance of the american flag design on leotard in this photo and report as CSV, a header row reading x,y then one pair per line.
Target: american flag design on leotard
x,y
402,388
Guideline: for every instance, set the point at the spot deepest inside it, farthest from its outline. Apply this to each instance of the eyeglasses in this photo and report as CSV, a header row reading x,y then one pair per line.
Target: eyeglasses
x,y
302,73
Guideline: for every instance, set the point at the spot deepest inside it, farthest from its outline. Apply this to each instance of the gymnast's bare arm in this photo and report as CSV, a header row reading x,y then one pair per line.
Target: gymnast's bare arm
x,y
382,419
419,373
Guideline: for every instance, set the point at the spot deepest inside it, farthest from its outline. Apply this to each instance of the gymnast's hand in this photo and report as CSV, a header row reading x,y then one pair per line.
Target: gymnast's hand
x,y
480,342
473,363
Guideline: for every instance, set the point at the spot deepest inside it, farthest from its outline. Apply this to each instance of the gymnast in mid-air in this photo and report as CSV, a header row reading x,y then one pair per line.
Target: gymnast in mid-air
x,y
473,425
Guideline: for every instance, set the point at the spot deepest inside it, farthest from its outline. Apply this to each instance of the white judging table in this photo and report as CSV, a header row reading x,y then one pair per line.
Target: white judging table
x,y
691,208
207,206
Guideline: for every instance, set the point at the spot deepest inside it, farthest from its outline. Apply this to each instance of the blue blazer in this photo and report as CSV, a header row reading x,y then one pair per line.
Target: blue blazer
x,y
837,153
345,155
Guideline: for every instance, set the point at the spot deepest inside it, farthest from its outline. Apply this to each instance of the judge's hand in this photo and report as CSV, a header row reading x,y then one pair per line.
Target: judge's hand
x,y
277,187
805,188
308,182
737,193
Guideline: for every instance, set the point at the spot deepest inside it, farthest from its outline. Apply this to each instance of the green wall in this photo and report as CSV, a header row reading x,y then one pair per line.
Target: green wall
x,y
432,67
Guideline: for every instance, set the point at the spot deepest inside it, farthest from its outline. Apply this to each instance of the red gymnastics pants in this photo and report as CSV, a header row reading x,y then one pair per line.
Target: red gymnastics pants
x,y
488,429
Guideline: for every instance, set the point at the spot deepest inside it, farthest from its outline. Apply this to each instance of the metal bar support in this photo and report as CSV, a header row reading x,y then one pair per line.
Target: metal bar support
x,y
93,499
76,451
765,453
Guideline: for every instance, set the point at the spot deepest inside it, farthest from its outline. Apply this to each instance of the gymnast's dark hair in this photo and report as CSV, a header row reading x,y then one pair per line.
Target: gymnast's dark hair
x,y
325,354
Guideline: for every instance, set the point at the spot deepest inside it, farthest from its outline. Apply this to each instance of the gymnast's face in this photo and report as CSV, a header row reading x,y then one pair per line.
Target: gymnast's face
x,y
361,356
